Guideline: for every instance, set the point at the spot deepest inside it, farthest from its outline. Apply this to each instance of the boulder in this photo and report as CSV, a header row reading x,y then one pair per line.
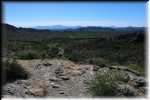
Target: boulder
x,y
36,92
132,83
137,81
140,81
54,79
61,92
64,77
126,90
47,64
132,76
123,76
59,70
54,85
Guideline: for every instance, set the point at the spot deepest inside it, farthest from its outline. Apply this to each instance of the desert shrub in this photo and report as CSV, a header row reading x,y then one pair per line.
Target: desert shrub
x,y
98,61
13,71
28,55
74,55
105,83
137,68
54,50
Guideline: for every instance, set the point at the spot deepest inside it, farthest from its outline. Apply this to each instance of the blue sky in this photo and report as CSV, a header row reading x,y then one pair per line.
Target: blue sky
x,y
75,13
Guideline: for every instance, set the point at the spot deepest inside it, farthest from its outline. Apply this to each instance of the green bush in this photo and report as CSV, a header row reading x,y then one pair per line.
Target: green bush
x,y
74,55
13,71
105,83
54,50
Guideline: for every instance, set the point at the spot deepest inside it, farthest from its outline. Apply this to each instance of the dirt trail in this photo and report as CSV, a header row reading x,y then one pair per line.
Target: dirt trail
x,y
64,78
52,78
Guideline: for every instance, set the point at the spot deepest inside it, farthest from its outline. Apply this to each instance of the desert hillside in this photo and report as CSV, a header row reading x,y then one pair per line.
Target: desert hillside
x,y
80,62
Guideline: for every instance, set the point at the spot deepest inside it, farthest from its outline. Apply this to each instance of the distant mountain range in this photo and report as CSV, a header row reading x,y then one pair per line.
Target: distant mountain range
x,y
56,27
77,28
90,28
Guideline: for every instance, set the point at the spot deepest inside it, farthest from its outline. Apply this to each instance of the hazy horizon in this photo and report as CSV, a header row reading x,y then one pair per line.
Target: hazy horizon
x,y
71,26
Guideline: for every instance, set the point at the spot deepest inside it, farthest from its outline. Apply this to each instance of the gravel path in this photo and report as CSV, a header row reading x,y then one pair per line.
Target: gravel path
x,y
51,78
